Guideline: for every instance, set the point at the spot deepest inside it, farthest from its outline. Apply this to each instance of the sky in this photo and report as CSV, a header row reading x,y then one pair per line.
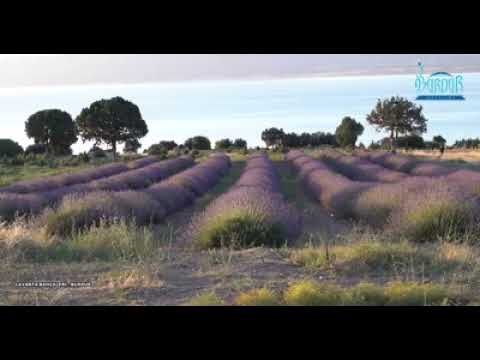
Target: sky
x,y
78,69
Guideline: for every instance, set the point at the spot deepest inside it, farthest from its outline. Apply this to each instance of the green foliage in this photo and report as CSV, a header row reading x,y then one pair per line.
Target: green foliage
x,y
348,132
53,128
35,149
157,150
398,115
273,136
111,121
198,143
412,141
120,240
414,294
97,152
469,143
434,220
84,157
310,293
258,297
439,142
10,148
363,256
240,144
132,146
398,293
223,144
240,229
208,299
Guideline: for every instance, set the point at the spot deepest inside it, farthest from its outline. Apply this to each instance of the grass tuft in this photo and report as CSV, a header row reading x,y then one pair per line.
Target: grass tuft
x,y
208,299
310,293
258,297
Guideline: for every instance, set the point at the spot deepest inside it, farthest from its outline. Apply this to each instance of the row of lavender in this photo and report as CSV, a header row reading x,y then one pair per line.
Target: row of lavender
x,y
12,204
419,208
361,169
252,213
62,180
416,167
145,206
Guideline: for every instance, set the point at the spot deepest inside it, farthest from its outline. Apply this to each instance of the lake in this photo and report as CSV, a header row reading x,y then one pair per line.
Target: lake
x,y
175,111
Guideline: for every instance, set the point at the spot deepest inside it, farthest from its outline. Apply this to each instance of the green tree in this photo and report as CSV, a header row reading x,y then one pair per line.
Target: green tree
x,y
9,148
223,144
240,143
112,122
132,146
53,128
157,149
291,140
168,144
412,141
398,115
348,132
273,136
36,149
439,141
198,143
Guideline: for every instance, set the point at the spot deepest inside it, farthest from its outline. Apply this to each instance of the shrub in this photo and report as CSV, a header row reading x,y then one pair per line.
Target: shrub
x,y
198,143
258,297
415,294
77,212
119,240
157,150
240,229
83,157
367,294
252,213
97,152
208,299
36,149
438,213
310,293
10,148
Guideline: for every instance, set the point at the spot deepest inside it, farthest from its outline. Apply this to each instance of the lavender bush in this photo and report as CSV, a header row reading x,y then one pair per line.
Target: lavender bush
x,y
129,180
252,213
149,205
420,208
53,182
357,168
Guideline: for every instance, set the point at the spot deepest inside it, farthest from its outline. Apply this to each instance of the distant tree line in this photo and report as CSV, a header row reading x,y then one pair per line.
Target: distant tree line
x,y
227,144
467,143
274,137
412,142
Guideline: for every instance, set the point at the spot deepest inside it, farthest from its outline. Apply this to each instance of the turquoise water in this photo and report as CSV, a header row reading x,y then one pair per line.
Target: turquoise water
x,y
244,108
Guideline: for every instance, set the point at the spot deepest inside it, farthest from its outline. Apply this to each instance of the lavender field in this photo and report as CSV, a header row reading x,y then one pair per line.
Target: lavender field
x,y
305,227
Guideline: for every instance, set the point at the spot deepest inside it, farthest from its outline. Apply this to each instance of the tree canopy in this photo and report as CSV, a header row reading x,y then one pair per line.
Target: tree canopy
x,y
9,148
53,128
272,136
198,143
398,115
439,141
132,146
223,144
240,144
348,132
112,122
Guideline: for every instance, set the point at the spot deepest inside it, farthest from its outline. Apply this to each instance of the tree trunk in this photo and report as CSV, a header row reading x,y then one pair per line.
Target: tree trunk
x,y
114,149
392,141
